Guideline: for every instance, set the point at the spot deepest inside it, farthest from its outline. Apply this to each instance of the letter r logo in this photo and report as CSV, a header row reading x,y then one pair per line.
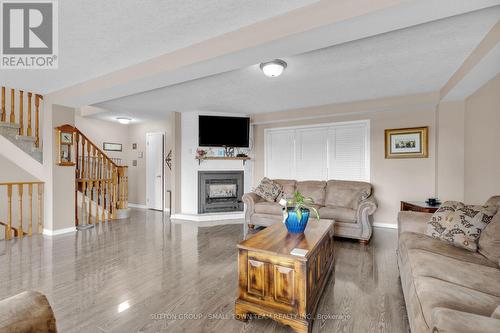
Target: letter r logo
x,y
27,27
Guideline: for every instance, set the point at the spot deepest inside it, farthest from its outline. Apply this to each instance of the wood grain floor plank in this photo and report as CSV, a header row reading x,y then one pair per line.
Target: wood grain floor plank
x,y
144,273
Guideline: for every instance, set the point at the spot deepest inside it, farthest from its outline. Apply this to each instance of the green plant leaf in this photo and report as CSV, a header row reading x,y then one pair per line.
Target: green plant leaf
x,y
315,212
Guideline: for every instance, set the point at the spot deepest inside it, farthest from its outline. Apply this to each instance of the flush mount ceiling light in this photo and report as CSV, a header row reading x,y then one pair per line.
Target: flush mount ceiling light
x,y
273,68
124,120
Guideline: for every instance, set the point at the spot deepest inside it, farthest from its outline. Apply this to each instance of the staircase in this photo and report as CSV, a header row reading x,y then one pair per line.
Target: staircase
x,y
21,203
101,184
23,134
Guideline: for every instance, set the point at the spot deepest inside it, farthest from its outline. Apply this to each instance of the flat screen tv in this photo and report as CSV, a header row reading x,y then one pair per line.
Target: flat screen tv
x,y
215,131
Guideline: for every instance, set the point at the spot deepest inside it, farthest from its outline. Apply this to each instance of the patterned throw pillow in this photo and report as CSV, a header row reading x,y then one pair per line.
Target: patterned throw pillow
x,y
268,190
460,224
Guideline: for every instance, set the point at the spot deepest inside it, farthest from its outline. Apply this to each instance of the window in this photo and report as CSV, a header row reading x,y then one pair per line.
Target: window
x,y
319,152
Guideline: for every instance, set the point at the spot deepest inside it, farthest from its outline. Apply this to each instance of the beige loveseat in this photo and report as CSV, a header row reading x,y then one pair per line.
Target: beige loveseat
x,y
446,288
27,312
349,203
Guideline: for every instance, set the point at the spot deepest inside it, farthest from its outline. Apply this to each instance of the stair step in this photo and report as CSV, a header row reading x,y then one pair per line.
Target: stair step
x,y
9,130
25,143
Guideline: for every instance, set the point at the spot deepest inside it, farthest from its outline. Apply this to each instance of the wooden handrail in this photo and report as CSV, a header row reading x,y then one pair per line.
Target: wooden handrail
x,y
94,146
17,183
21,206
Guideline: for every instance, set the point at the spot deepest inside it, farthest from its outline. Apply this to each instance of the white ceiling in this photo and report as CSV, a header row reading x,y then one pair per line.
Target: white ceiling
x,y
98,37
409,61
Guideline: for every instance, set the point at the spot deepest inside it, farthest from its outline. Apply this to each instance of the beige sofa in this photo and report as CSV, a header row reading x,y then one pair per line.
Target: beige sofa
x,y
446,288
27,312
349,203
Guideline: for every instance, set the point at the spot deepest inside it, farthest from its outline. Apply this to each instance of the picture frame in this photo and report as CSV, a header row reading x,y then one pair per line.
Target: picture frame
x,y
109,146
407,142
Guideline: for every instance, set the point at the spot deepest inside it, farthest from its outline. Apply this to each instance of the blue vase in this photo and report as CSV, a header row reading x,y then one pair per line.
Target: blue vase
x,y
292,222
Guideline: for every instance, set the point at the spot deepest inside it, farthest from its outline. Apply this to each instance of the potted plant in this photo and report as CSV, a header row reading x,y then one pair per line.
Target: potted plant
x,y
296,212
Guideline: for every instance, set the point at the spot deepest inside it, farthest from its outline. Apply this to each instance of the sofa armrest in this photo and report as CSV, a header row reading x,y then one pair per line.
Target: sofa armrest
x,y
369,205
453,321
28,311
250,199
409,221
365,209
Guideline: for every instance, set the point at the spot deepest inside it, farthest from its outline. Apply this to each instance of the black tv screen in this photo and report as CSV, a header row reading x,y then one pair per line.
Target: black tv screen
x,y
217,131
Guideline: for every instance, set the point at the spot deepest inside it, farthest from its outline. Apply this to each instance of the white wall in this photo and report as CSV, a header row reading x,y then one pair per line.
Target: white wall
x,y
482,138
450,151
190,167
100,131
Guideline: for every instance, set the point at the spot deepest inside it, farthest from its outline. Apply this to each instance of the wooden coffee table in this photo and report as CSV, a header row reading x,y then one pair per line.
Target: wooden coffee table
x,y
281,286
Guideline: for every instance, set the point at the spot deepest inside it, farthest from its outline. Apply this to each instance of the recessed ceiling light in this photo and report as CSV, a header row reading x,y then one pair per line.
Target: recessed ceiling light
x,y
273,68
124,120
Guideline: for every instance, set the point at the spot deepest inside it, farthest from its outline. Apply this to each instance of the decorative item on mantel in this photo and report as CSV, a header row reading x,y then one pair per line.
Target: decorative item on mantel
x,y
296,212
220,154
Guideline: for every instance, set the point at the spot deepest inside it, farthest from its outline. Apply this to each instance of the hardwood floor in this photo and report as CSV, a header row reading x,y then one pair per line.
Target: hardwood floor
x,y
148,275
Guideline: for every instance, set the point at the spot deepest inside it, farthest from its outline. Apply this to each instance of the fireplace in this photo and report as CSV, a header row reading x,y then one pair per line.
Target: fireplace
x,y
220,191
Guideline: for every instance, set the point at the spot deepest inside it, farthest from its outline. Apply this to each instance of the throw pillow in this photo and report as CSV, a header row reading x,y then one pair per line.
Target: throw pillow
x,y
489,242
268,190
460,224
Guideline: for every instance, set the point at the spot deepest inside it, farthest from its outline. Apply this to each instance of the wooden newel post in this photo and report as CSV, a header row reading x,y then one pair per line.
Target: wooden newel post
x,y
122,187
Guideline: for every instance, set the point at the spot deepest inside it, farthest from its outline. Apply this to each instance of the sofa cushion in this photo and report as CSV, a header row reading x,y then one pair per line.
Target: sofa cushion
x,y
288,186
411,240
496,313
268,190
454,279
314,189
265,207
339,214
409,221
469,275
346,193
493,201
489,241
460,224
434,293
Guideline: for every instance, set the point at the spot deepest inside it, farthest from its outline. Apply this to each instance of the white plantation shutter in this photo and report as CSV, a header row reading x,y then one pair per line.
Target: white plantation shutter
x,y
311,153
347,153
280,155
333,151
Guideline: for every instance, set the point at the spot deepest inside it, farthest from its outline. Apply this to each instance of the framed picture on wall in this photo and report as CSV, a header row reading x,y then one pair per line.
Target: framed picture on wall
x,y
107,146
407,142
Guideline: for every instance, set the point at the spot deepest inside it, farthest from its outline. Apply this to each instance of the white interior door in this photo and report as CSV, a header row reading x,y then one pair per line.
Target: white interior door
x,y
154,170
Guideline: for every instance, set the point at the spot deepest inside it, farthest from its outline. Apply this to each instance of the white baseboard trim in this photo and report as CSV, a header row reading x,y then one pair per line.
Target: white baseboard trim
x,y
49,232
385,225
133,205
209,217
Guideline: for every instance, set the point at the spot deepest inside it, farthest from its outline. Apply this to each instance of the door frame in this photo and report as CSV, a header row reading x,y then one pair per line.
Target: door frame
x,y
162,170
